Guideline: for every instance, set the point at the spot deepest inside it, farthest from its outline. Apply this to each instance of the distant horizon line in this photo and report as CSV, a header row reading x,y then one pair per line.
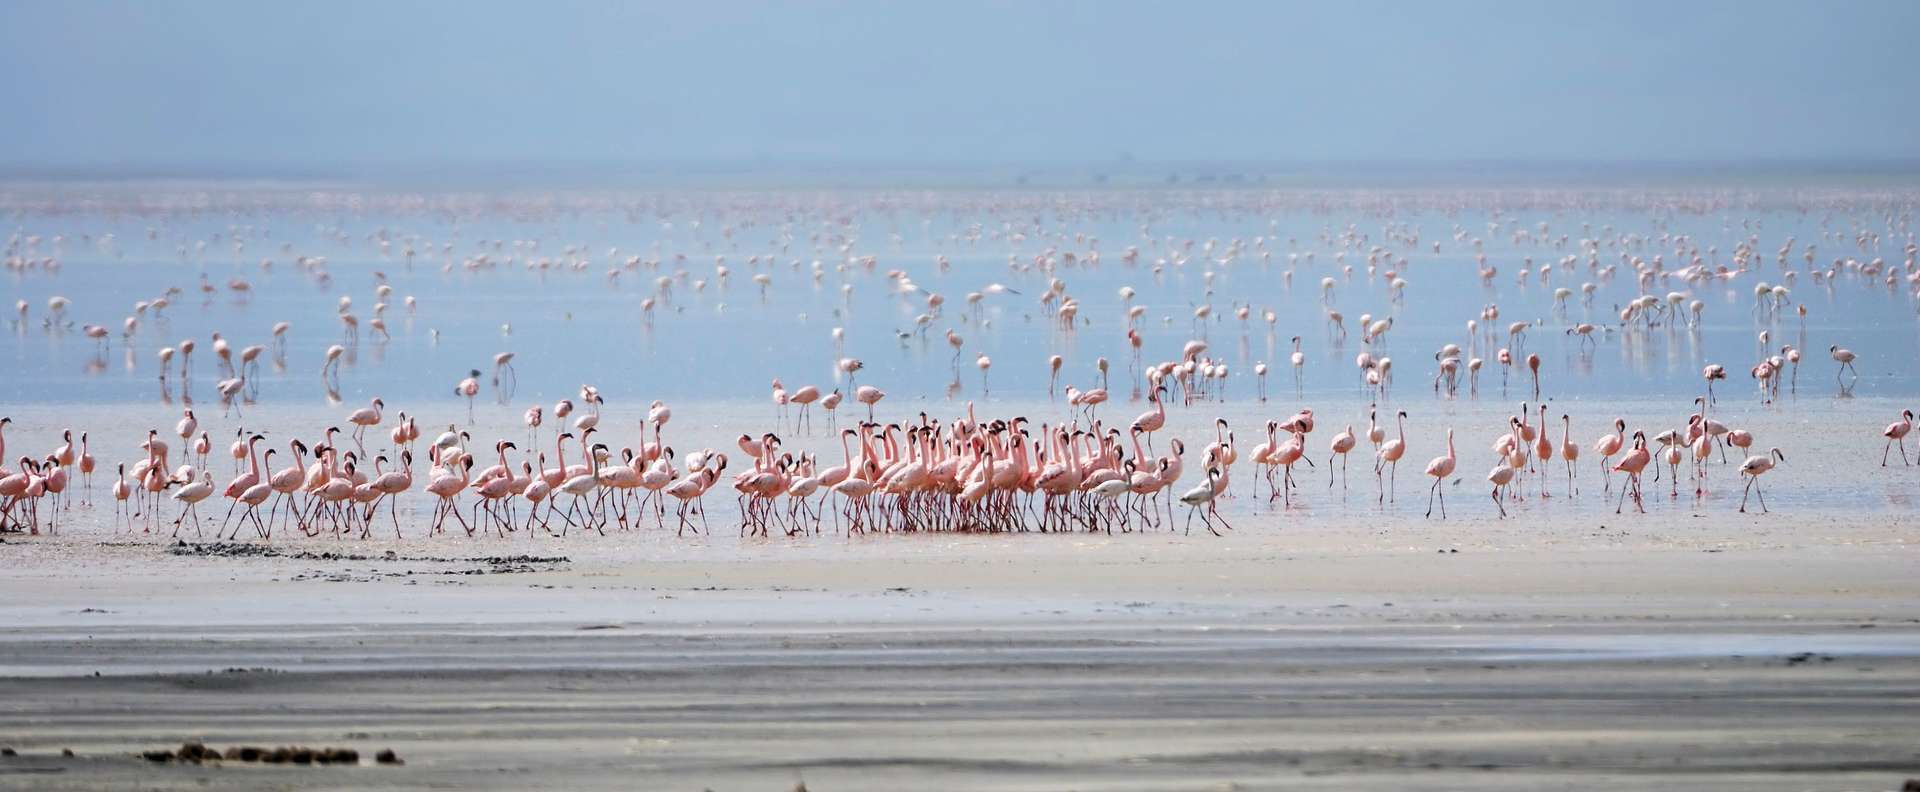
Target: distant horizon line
x,y
1012,173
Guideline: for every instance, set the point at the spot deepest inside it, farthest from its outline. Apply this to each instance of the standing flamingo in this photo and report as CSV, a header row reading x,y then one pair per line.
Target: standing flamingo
x,y
1389,455
121,492
1845,358
1342,443
1607,446
869,395
804,396
1895,432
190,496
1569,452
468,387
1440,468
1206,494
1752,468
831,403
363,418
1632,463
242,482
1152,420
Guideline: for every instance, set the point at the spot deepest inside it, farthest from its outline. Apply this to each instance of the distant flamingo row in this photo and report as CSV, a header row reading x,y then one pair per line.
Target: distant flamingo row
x,y
1200,377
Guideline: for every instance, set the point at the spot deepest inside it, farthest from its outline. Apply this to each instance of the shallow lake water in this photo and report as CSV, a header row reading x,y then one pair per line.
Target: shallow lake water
x,y
563,281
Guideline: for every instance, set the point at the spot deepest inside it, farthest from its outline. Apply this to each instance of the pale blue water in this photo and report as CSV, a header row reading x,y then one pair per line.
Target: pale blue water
x,y
729,339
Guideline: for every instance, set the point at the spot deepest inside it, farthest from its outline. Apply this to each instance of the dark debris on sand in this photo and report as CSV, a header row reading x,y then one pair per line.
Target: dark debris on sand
x,y
511,563
198,753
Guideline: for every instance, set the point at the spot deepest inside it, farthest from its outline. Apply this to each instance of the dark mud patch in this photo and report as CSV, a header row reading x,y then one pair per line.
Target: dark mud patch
x,y
256,550
201,754
377,569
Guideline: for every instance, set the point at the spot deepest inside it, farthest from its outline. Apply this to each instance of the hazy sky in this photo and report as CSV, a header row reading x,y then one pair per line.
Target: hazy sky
x,y
322,84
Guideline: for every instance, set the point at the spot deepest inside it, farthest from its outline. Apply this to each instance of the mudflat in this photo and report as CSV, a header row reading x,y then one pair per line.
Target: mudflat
x,y
1719,652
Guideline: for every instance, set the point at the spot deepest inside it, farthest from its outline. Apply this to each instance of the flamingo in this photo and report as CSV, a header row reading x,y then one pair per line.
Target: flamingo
x,y
779,399
1440,468
1543,450
1341,444
1632,463
287,481
869,395
1389,455
1152,420
122,491
1204,495
188,497
242,482
503,364
446,484
390,484
469,387
804,396
330,369
363,418
1607,446
1752,469
1845,358
1569,452
1500,477
1896,432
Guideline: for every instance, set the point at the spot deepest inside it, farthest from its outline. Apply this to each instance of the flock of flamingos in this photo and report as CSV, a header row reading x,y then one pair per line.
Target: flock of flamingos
x,y
965,473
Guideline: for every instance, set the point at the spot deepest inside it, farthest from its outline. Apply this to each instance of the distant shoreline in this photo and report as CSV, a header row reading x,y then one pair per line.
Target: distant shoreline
x,y
434,176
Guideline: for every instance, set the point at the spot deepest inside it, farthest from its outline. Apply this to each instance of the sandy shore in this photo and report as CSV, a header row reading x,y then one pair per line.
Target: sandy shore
x,y
1714,653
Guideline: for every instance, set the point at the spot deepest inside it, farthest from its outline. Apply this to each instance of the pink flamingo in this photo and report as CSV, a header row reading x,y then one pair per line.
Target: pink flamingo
x,y
121,493
1289,451
535,493
1440,468
1342,443
869,395
363,418
1543,450
469,387
241,483
804,396
390,484
285,482
1895,432
1607,446
1632,463
780,400
830,403
1752,469
1500,477
1155,419
1569,451
253,496
446,485
1389,455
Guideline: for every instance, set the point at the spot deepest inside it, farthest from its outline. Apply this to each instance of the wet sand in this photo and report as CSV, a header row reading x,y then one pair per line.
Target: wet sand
x,y
1716,653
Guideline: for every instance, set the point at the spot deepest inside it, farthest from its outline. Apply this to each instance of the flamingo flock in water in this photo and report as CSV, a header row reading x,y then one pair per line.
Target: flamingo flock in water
x,y
1075,471
965,474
